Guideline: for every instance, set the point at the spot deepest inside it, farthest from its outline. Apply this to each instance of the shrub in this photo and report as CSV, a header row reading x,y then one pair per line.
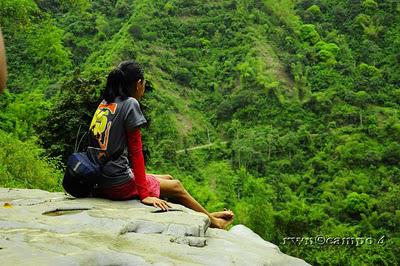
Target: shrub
x,y
22,164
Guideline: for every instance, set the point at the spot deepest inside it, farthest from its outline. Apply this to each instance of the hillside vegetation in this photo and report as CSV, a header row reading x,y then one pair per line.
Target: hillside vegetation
x,y
299,98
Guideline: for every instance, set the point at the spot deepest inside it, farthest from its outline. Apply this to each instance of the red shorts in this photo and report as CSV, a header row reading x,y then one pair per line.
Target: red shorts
x,y
129,190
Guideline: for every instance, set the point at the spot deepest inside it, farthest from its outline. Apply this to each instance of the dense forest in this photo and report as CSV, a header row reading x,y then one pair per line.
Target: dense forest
x,y
299,99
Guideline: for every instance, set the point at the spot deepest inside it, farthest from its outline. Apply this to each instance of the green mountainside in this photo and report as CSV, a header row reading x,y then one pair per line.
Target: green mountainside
x,y
299,99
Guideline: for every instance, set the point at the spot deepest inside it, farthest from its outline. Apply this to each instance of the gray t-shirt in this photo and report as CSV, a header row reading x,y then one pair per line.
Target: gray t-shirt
x,y
108,141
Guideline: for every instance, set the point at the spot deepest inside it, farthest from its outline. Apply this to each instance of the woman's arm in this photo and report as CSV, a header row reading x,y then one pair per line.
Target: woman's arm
x,y
137,164
3,65
137,161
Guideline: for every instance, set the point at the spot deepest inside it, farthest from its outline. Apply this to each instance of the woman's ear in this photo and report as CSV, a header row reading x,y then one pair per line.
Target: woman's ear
x,y
139,90
138,84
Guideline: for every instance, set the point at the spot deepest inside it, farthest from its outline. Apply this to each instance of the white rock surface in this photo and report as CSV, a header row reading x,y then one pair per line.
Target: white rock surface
x,y
42,228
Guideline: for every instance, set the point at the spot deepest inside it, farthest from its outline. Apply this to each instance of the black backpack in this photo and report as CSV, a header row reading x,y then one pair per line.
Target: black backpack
x,y
81,172
80,175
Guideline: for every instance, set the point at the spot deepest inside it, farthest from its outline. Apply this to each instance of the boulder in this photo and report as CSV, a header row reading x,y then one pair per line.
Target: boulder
x,y
43,228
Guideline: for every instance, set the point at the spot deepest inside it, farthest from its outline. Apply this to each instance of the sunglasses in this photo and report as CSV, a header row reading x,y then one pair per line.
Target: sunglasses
x,y
148,86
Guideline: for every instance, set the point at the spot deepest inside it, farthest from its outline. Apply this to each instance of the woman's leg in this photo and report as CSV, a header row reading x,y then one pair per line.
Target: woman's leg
x,y
174,189
168,177
225,214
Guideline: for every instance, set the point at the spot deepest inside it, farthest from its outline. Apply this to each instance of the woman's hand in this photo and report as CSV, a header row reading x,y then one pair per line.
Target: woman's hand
x,y
156,202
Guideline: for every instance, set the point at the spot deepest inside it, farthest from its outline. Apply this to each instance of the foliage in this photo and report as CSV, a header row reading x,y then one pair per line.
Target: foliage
x,y
22,165
67,121
300,98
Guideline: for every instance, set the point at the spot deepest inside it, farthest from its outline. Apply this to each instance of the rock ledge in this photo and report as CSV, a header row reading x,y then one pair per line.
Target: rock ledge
x,y
42,228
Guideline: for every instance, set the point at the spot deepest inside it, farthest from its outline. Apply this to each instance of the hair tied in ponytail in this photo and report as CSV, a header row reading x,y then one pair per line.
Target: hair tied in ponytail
x,y
120,70
121,80
117,73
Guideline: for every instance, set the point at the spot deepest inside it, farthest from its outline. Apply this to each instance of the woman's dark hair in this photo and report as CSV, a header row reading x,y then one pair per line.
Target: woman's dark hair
x,y
121,80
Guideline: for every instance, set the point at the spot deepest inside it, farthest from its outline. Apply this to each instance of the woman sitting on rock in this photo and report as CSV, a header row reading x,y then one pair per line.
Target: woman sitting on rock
x,y
115,129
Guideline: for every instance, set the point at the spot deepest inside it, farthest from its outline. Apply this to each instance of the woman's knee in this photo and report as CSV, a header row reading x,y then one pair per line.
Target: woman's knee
x,y
171,188
177,187
169,177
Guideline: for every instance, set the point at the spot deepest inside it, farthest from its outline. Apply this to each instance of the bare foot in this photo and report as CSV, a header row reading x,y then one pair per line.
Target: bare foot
x,y
226,214
219,222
